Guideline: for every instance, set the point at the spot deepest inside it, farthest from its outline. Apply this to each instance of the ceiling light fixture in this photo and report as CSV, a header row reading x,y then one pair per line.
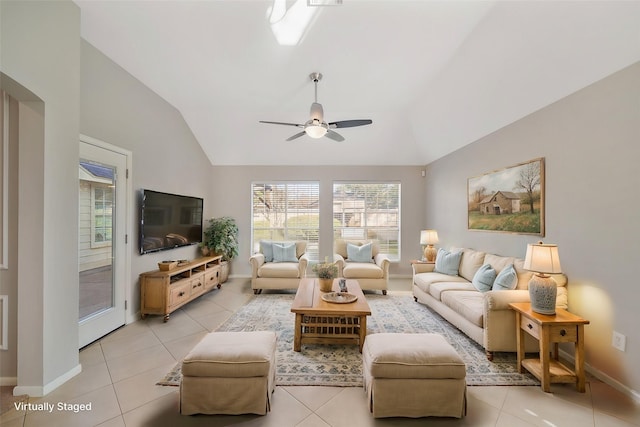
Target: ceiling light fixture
x,y
315,128
289,25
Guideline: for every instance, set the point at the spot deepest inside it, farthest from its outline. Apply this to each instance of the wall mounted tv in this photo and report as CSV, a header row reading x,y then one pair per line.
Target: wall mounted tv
x,y
169,221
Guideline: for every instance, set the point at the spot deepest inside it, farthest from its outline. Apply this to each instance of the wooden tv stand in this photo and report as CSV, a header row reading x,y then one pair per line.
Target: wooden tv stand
x,y
163,292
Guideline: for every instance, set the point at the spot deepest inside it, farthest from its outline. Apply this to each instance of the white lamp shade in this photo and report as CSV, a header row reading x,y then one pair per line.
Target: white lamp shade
x,y
428,237
542,258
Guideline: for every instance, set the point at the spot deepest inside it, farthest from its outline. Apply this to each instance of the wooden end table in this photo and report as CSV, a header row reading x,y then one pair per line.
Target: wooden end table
x,y
550,329
321,322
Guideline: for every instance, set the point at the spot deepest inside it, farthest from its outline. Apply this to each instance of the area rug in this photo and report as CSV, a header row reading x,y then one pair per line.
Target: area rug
x,y
341,365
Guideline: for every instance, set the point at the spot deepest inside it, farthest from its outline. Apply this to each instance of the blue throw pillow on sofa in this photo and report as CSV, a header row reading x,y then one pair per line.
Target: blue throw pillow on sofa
x,y
484,278
447,262
506,280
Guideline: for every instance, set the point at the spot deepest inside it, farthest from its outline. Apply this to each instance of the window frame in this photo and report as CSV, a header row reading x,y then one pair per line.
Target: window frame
x,y
94,228
286,230
338,231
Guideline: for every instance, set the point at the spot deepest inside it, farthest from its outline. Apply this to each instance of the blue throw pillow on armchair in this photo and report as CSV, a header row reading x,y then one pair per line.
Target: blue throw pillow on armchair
x,y
448,262
284,252
266,247
357,253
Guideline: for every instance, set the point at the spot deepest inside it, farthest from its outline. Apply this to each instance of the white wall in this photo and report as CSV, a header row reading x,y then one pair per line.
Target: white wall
x,y
118,109
45,59
232,197
66,87
590,141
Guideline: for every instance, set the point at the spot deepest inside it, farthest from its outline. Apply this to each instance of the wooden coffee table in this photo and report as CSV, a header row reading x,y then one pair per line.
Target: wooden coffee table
x,y
322,322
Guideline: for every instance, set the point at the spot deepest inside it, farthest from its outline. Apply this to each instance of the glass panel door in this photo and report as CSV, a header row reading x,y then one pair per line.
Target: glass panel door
x,y
101,243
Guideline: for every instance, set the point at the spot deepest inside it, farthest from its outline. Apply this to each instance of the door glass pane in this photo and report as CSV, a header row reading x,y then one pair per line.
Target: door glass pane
x,y
95,249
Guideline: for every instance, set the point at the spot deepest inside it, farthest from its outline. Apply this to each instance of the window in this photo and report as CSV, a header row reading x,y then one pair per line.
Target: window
x,y
101,224
286,211
368,211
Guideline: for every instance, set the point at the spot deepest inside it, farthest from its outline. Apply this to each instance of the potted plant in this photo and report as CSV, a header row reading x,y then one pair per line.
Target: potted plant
x,y
221,238
326,271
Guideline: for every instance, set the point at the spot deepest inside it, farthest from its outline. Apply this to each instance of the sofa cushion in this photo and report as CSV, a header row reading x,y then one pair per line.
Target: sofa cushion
x,y
357,253
284,252
498,262
362,270
523,275
470,262
468,304
448,262
506,280
424,280
436,289
484,277
279,269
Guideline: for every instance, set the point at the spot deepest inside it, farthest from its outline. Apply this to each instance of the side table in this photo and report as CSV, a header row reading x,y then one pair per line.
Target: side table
x,y
550,329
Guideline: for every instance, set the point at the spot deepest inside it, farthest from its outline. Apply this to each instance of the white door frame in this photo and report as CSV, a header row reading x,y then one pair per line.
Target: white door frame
x,y
128,221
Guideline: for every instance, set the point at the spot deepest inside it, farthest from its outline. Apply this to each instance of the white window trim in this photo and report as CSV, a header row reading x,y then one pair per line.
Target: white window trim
x,y
277,182
394,258
95,244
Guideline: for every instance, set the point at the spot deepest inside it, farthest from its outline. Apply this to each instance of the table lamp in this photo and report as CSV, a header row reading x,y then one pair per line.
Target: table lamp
x,y
543,260
429,238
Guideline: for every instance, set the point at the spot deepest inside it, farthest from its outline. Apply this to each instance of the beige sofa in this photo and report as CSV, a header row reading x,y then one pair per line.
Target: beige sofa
x,y
484,317
371,275
278,275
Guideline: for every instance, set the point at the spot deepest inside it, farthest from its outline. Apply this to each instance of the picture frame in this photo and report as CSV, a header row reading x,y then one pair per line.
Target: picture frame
x,y
508,200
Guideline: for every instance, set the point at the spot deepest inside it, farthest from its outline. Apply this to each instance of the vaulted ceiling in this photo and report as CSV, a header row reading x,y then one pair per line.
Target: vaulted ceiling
x,y
433,76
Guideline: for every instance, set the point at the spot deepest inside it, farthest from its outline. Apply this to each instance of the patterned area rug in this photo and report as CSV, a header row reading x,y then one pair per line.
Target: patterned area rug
x,y
341,365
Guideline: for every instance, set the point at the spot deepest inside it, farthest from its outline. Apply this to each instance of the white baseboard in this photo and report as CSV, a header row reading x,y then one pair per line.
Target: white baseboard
x,y
39,391
604,377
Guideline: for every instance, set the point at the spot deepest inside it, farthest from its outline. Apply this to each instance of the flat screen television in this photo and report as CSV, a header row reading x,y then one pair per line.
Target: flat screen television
x,y
169,221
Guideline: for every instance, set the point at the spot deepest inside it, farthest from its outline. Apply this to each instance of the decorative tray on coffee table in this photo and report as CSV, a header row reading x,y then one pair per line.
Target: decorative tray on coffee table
x,y
339,297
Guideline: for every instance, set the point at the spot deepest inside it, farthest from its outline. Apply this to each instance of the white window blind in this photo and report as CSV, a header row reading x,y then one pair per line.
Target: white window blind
x,y
286,211
368,210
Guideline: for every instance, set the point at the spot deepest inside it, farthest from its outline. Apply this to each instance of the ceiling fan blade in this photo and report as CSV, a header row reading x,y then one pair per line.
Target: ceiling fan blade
x,y
350,123
281,123
334,135
297,135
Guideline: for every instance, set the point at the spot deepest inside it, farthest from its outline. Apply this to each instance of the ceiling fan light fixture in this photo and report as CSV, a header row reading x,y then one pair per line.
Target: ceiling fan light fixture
x,y
316,130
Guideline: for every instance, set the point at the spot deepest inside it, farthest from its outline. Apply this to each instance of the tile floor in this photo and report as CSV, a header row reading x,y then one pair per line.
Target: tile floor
x,y
119,373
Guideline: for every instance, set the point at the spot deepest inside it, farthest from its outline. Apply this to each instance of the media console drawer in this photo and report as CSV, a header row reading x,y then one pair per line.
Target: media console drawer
x,y
162,292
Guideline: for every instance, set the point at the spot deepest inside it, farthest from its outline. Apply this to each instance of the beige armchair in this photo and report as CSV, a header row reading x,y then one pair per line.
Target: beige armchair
x,y
268,272
371,274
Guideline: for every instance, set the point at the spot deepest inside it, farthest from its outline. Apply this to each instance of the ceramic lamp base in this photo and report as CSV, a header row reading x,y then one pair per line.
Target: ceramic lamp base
x,y
430,253
542,293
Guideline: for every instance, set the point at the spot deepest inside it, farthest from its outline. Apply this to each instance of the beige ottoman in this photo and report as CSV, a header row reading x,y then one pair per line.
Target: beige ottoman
x,y
413,375
229,373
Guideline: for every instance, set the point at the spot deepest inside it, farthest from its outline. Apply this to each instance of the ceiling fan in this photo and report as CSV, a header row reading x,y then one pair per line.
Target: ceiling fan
x,y
316,127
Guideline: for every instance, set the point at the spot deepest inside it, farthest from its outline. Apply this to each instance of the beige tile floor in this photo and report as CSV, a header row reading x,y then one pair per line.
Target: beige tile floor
x,y
119,373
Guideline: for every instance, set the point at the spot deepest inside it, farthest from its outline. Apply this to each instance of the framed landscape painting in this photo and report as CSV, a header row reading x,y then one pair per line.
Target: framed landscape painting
x,y
509,200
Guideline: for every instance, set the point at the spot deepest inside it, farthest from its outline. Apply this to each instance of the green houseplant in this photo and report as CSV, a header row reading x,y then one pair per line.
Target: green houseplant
x,y
326,272
221,237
